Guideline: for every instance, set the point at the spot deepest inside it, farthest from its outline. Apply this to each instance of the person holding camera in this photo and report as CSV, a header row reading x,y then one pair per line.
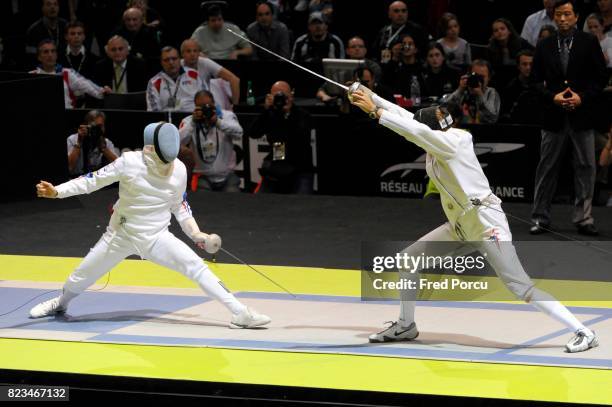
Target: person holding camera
x,y
288,167
88,148
479,103
209,134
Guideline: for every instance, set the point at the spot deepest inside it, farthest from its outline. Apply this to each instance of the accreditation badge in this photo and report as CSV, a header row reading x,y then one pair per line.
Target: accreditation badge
x,y
278,151
209,150
172,102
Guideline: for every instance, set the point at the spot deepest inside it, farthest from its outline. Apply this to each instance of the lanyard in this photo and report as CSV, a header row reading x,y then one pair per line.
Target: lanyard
x,y
569,48
200,128
80,63
176,87
390,39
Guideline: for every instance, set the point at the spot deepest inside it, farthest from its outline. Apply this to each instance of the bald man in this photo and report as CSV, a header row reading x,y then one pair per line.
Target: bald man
x,y
142,39
208,69
399,24
288,167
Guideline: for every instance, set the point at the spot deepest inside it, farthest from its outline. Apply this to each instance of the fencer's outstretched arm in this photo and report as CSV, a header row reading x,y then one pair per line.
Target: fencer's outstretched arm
x,y
84,184
438,143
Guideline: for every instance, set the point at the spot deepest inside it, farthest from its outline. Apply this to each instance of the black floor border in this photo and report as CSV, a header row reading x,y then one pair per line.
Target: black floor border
x,y
86,387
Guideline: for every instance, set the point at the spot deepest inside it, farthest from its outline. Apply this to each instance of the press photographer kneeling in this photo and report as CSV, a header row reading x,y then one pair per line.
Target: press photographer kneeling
x,y
288,167
207,139
88,148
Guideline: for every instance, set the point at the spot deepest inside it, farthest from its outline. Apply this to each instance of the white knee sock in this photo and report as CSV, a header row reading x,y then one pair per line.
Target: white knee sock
x,y
548,305
215,288
407,301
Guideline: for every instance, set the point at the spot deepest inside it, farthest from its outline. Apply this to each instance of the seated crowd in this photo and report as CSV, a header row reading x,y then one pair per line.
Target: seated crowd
x,y
405,63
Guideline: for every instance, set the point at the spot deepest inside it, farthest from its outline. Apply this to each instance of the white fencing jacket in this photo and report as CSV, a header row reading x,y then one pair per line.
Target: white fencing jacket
x,y
450,162
146,199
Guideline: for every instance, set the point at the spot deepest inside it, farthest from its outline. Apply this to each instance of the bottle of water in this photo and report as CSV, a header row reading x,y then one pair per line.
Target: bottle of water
x,y
250,98
415,91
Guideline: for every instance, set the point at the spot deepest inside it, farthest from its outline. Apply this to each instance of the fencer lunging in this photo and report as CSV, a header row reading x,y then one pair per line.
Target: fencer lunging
x,y
474,214
151,188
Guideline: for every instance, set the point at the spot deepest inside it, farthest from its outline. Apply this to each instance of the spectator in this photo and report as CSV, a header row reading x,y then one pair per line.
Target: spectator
x,y
50,26
365,76
216,42
288,167
310,49
88,148
75,85
546,31
75,56
400,75
174,88
605,11
122,72
209,70
355,49
142,39
100,18
595,24
504,44
209,135
536,21
520,103
269,33
151,17
569,83
457,50
399,25
438,78
479,102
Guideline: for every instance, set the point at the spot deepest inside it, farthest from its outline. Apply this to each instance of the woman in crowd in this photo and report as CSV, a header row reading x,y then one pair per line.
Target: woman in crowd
x,y
505,44
457,50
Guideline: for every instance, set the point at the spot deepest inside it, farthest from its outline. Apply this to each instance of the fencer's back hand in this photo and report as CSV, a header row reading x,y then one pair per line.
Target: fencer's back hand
x,y
45,189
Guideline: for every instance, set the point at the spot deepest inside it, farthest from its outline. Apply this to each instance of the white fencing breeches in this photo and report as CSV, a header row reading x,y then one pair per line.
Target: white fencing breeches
x,y
167,251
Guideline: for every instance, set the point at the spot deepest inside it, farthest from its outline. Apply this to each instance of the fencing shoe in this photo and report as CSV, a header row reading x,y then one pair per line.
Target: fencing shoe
x,y
395,333
585,339
249,318
46,308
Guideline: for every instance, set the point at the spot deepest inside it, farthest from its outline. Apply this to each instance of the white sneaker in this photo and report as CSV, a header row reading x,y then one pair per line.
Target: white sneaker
x,y
44,309
584,340
249,318
396,333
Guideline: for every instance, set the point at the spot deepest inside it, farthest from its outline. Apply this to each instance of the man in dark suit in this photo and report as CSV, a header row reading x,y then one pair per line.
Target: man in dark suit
x,y
569,71
121,72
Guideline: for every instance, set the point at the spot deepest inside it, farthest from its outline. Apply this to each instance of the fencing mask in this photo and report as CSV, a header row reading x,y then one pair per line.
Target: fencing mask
x,y
164,137
435,117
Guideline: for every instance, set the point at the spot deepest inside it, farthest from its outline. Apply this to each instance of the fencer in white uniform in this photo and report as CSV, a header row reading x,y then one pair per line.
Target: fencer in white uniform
x,y
474,213
151,188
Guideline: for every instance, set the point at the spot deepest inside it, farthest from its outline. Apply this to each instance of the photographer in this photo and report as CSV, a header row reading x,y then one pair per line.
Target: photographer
x,y
89,149
288,167
479,102
209,134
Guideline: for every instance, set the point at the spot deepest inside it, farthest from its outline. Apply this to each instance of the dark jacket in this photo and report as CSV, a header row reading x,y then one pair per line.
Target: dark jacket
x,y
293,130
136,74
586,75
